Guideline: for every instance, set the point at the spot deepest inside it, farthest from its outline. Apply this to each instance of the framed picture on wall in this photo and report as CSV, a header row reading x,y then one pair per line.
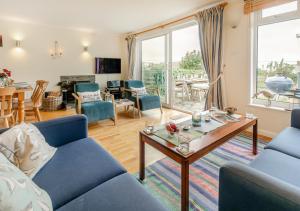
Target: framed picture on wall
x,y
1,43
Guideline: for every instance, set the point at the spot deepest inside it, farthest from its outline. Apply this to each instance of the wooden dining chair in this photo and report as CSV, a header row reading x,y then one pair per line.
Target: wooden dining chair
x,y
6,110
34,103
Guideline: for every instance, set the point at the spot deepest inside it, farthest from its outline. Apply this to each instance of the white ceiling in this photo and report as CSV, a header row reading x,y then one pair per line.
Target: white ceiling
x,y
120,16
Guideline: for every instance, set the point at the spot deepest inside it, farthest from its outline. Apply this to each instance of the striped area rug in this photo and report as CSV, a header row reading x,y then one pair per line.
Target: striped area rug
x,y
163,177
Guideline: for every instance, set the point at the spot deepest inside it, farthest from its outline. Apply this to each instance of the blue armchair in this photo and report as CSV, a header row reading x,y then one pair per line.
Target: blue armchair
x,y
145,102
96,110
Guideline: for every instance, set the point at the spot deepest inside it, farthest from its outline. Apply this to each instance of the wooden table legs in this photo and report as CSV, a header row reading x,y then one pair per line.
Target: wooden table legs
x,y
254,139
21,107
142,159
185,186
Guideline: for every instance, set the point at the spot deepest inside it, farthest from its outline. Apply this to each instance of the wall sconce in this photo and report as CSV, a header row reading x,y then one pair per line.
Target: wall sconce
x,y
57,51
18,44
85,48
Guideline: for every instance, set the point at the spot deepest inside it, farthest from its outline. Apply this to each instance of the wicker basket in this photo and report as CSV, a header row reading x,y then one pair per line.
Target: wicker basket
x,y
52,103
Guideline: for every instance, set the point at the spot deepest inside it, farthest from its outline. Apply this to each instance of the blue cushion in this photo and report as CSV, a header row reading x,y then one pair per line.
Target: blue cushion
x,y
245,188
76,168
287,141
279,165
120,193
86,87
148,102
98,110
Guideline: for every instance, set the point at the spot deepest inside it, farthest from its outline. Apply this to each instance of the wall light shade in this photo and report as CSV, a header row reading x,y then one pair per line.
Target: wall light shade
x,y
236,13
1,41
85,48
18,43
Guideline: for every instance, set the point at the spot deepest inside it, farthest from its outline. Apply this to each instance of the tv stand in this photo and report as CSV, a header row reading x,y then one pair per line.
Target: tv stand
x,y
115,88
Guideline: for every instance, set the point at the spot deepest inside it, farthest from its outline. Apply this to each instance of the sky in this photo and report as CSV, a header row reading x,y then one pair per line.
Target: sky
x,y
183,40
275,41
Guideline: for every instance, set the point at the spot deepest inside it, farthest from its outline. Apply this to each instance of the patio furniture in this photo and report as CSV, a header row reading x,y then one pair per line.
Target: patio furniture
x,y
199,90
181,88
293,94
142,102
94,110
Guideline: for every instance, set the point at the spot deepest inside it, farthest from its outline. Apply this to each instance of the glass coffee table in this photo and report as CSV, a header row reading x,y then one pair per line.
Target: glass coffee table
x,y
125,104
198,147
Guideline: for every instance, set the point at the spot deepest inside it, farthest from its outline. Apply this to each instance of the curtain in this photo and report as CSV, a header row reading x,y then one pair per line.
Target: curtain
x,y
211,35
131,47
254,5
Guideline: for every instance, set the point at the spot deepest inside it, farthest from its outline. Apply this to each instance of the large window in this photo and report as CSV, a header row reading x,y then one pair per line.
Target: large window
x,y
276,56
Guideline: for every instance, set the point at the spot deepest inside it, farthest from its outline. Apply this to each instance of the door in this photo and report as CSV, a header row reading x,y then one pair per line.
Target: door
x,y
154,66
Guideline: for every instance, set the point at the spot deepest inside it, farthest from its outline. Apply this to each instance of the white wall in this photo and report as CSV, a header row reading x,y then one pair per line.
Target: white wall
x,y
237,58
33,60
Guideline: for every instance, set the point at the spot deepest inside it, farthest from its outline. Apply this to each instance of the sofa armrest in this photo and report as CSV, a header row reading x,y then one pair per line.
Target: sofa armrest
x,y
64,130
295,118
244,188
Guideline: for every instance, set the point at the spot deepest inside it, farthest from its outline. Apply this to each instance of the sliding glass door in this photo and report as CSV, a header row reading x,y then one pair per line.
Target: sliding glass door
x,y
154,65
189,79
172,62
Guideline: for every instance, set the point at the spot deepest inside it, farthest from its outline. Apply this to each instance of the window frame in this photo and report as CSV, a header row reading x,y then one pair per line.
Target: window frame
x,y
168,32
257,20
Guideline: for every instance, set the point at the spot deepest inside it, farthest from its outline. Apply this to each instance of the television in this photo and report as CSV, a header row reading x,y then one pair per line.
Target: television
x,y
107,65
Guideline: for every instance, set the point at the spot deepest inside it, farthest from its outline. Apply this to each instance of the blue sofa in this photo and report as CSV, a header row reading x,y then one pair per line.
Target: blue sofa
x,y
271,181
83,176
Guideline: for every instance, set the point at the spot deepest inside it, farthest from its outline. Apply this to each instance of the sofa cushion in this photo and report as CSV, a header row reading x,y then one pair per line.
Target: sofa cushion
x,y
18,192
98,110
279,165
120,193
287,141
76,168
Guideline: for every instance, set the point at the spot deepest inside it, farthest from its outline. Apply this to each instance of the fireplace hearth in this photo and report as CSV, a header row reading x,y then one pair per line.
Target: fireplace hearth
x,y
67,86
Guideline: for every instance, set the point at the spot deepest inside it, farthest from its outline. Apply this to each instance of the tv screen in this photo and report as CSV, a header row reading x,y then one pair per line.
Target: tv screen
x,y
108,65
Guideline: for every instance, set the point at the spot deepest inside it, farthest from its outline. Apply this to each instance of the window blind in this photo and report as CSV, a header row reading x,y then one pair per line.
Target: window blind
x,y
254,5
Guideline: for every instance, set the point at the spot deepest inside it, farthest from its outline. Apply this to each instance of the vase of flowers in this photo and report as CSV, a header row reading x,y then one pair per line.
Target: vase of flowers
x,y
5,79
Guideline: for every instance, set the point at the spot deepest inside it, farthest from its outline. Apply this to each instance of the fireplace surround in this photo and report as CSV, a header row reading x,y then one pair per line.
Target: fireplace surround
x,y
67,86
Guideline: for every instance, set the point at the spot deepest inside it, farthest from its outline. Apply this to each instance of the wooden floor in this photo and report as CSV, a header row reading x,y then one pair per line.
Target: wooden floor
x,y
122,140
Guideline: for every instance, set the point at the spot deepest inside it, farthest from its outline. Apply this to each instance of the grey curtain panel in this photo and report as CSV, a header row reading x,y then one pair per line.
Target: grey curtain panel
x,y
131,47
211,35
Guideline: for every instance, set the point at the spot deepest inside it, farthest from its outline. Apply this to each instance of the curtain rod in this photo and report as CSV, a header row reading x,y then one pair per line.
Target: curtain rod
x,y
176,21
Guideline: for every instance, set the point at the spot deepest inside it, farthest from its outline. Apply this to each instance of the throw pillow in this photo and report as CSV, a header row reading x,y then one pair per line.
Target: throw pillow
x,y
139,91
18,192
90,96
26,147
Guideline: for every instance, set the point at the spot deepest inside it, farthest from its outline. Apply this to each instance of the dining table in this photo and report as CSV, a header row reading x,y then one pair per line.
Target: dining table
x,y
20,95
